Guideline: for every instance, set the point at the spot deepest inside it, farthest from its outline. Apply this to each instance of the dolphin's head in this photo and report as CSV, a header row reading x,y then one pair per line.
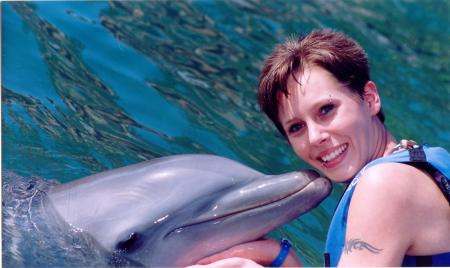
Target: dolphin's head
x,y
177,210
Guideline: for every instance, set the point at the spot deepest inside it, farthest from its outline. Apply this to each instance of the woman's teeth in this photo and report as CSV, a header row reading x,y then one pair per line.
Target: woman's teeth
x,y
334,154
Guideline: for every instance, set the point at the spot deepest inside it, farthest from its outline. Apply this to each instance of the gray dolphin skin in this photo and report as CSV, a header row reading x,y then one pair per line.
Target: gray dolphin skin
x,y
173,211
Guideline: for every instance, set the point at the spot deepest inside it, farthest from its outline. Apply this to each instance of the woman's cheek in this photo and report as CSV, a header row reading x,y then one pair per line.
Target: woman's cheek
x,y
304,154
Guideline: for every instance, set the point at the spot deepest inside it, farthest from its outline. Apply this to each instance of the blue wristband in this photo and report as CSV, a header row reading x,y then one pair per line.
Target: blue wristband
x,y
284,251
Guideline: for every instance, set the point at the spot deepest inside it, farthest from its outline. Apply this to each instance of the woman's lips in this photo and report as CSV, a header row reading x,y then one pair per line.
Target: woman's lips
x,y
332,157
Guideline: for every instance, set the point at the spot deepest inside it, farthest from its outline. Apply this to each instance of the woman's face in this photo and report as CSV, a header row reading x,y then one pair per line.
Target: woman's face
x,y
328,126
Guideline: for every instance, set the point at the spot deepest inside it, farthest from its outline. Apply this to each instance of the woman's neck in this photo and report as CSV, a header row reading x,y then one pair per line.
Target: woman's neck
x,y
385,142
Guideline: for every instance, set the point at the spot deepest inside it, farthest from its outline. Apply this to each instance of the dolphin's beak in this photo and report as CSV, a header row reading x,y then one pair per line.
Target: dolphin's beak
x,y
258,193
312,174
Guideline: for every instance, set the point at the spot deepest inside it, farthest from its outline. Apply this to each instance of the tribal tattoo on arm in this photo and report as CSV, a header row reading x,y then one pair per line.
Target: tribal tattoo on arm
x,y
358,244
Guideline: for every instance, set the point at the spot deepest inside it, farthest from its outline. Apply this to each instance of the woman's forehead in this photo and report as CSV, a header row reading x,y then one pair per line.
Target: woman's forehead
x,y
312,81
313,86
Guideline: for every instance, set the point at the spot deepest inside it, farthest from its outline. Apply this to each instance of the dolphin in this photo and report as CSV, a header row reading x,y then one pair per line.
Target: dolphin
x,y
176,210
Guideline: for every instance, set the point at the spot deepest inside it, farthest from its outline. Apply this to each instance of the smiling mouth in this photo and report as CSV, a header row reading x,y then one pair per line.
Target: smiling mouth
x,y
334,154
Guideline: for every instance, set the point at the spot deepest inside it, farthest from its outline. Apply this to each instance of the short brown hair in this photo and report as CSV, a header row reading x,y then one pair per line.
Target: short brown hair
x,y
338,54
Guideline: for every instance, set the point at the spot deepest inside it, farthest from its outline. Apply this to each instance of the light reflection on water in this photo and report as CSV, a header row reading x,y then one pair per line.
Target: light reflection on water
x,y
89,86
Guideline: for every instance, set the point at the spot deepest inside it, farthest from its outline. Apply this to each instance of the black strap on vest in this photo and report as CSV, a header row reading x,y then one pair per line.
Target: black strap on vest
x,y
326,258
417,154
424,261
419,159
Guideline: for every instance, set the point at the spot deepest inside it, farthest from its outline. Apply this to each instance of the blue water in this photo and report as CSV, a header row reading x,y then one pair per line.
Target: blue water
x,y
91,86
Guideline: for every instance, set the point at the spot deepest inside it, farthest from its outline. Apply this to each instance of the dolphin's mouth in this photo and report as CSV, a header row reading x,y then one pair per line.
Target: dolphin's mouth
x,y
268,203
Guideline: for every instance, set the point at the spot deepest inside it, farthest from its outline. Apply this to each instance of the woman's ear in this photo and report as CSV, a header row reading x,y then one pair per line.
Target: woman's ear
x,y
372,98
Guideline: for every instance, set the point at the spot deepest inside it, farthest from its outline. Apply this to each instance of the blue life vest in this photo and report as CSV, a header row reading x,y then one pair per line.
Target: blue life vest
x,y
434,160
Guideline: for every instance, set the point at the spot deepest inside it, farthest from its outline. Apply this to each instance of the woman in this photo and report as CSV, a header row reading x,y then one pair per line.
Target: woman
x,y
317,91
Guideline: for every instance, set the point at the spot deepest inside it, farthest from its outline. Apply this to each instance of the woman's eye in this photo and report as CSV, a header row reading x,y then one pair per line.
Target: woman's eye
x,y
295,128
326,109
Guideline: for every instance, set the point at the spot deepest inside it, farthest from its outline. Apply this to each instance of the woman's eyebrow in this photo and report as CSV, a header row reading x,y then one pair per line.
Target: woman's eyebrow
x,y
289,121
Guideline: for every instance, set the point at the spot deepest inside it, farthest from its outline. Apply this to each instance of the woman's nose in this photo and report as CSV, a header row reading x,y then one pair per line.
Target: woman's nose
x,y
316,134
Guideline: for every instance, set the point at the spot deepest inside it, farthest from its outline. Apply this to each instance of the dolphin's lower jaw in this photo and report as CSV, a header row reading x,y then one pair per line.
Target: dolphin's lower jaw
x,y
309,189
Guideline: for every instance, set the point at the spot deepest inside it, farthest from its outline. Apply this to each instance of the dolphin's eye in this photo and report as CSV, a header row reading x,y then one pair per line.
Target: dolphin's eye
x,y
130,244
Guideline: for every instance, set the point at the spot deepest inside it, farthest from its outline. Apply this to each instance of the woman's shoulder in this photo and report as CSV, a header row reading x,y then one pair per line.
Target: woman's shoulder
x,y
397,181
389,184
406,199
